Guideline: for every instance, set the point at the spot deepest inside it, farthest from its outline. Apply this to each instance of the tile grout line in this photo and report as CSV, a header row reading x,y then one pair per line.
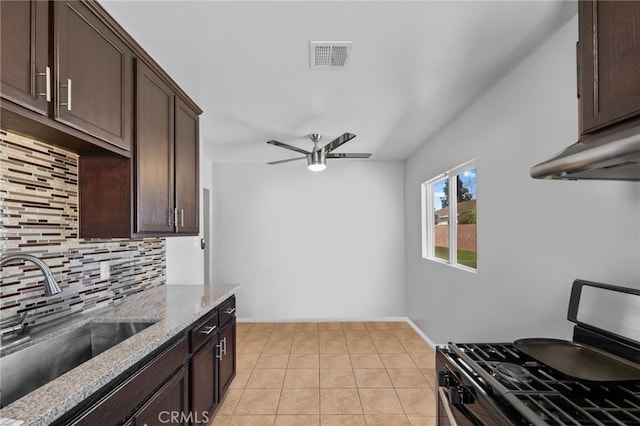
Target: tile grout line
x,y
405,350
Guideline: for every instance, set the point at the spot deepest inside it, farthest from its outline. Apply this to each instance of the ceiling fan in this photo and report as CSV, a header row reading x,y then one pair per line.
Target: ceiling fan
x,y
317,157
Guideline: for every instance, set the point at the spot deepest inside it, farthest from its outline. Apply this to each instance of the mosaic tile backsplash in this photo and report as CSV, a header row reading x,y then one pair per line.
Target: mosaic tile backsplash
x,y
39,216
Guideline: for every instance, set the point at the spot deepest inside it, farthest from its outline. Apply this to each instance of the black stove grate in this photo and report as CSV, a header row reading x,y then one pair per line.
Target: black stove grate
x,y
554,397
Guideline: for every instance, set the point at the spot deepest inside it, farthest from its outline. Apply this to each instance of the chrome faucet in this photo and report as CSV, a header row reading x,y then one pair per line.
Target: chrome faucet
x,y
51,286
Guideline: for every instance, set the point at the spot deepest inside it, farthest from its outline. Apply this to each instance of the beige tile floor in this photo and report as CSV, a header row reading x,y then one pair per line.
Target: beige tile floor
x,y
348,373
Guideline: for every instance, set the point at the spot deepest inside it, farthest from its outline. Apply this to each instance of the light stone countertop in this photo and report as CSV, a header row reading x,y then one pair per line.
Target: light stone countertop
x,y
174,307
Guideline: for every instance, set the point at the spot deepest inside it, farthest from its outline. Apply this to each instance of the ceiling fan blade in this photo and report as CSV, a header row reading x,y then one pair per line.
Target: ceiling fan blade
x,y
344,138
284,145
363,155
286,161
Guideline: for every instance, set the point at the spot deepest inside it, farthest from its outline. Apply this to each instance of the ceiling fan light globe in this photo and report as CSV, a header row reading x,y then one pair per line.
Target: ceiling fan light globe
x,y
317,161
317,167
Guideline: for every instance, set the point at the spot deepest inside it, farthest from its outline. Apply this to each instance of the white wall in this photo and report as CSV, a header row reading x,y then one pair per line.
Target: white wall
x,y
534,237
185,258
307,245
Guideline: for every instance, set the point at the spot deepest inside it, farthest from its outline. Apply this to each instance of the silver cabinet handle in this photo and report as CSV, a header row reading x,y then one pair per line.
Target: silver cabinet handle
x,y
230,311
68,86
175,217
219,354
47,76
224,346
69,94
208,330
182,217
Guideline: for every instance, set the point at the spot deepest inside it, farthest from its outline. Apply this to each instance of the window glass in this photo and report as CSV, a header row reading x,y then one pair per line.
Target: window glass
x,y
440,191
450,217
467,219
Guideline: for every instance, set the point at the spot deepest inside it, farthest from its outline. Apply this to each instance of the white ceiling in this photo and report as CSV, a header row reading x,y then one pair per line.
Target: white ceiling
x,y
414,66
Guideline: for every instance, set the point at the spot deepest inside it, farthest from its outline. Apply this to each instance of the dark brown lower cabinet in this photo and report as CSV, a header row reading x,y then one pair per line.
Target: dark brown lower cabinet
x,y
204,379
181,384
169,405
227,356
117,404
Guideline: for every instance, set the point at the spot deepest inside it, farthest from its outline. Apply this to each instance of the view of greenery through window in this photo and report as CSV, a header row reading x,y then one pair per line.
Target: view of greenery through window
x,y
441,218
465,220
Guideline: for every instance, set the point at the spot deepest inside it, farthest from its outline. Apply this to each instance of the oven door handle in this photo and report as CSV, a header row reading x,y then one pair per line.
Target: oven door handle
x,y
462,371
447,406
499,387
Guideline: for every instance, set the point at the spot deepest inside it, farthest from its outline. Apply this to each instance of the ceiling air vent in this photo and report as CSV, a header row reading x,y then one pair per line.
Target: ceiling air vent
x,y
329,54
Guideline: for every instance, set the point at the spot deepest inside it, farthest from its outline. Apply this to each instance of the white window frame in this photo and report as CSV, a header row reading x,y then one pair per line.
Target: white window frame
x,y
428,225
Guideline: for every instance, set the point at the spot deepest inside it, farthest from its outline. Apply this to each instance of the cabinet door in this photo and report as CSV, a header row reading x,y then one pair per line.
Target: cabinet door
x,y
204,380
153,154
609,60
186,169
170,405
227,365
93,78
24,43
120,402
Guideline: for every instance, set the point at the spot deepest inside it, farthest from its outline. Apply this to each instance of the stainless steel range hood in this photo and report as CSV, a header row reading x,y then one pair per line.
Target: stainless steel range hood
x,y
612,157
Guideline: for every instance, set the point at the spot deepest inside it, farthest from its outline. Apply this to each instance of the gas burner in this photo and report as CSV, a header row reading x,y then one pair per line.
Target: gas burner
x,y
513,373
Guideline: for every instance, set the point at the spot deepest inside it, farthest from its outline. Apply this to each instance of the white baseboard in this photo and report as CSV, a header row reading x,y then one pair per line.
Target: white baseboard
x,y
421,334
368,319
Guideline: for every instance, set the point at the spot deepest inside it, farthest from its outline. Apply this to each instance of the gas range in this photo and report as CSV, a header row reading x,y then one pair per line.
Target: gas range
x,y
593,380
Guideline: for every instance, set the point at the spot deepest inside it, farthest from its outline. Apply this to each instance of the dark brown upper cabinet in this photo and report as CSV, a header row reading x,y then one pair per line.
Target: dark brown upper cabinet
x,y
66,76
71,76
154,153
166,159
156,192
608,64
24,45
187,172
93,80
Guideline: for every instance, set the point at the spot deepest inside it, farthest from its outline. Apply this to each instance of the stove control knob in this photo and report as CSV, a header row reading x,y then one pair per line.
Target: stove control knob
x,y
444,379
460,396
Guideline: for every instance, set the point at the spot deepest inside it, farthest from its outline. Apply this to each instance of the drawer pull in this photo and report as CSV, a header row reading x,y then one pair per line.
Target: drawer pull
x,y
230,311
208,330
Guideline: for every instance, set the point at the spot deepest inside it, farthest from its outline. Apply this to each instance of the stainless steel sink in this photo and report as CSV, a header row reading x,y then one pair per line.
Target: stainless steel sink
x,y
27,369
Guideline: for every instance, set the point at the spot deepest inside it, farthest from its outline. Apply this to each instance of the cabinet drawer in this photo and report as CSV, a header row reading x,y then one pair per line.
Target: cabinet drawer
x,y
204,330
227,311
120,402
